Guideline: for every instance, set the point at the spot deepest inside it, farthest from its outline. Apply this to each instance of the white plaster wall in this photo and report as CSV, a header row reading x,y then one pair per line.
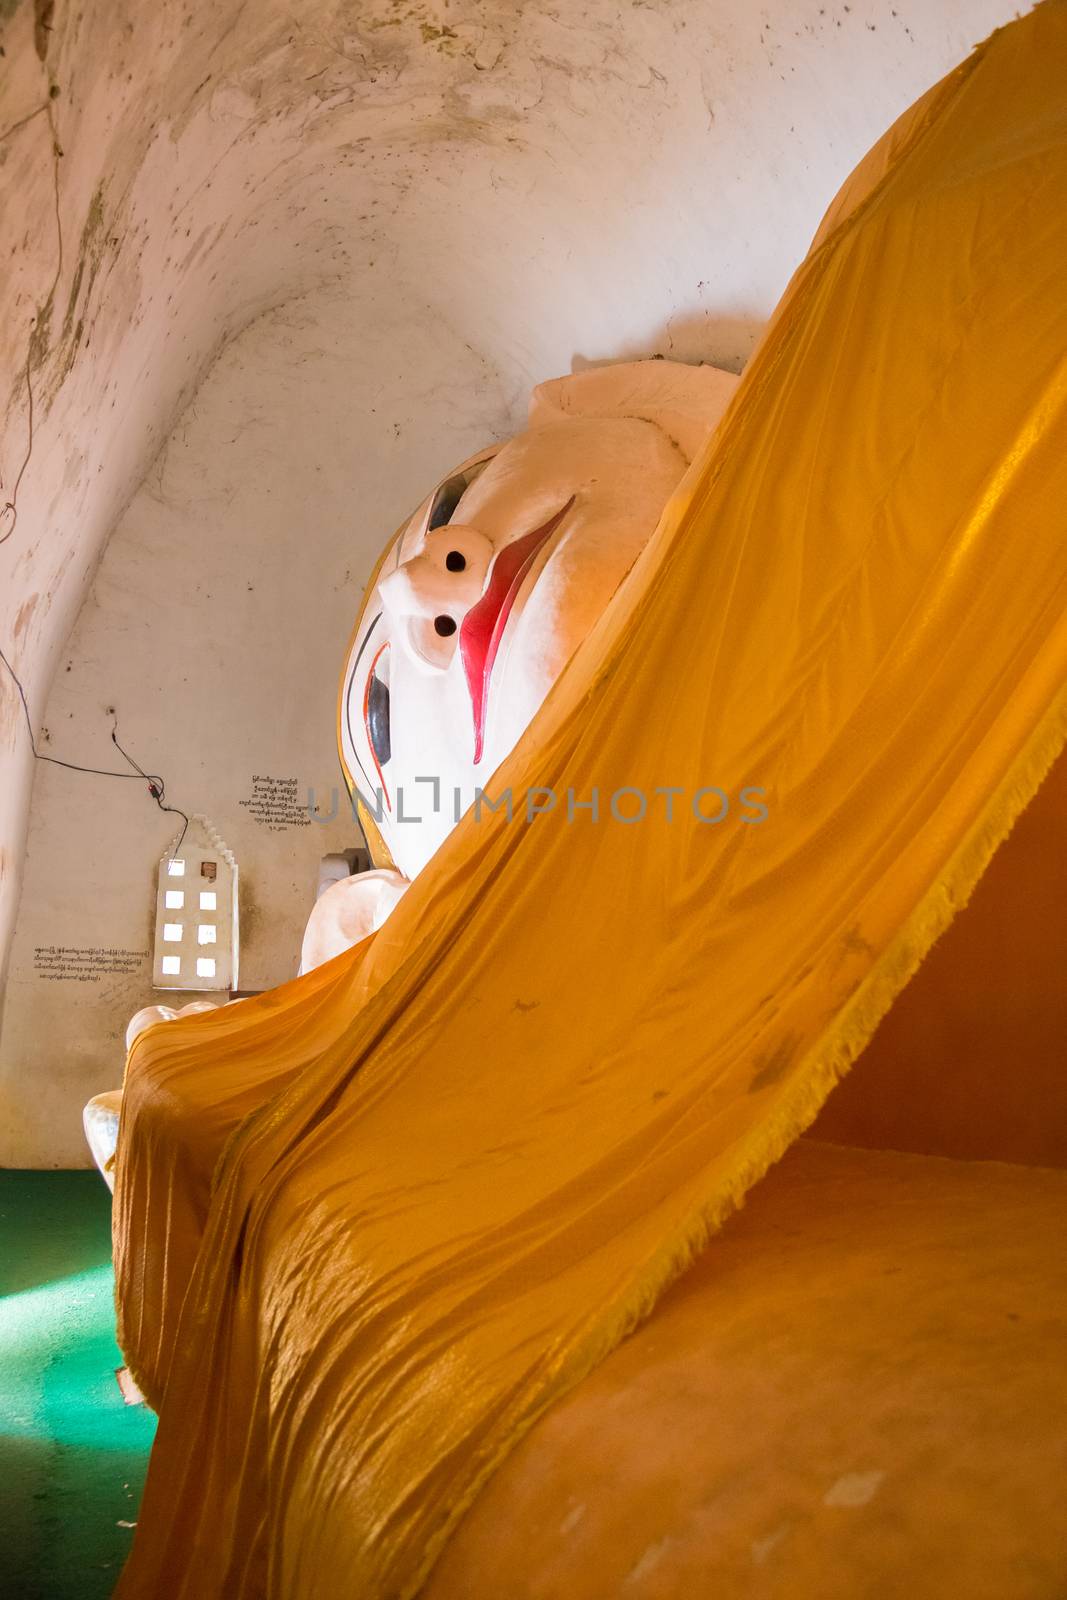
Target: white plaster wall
x,y
414,211
215,629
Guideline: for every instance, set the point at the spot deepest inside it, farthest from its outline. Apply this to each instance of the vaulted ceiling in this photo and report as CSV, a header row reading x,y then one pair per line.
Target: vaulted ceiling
x,y
495,188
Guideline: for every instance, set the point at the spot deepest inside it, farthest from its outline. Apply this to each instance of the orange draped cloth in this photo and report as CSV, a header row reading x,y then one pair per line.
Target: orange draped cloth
x,y
490,1137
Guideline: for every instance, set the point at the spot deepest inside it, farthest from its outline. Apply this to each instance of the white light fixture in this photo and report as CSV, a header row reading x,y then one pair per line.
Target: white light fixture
x,y
200,856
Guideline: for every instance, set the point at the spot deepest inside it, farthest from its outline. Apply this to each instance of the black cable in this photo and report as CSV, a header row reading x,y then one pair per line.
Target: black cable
x,y
21,123
10,507
156,786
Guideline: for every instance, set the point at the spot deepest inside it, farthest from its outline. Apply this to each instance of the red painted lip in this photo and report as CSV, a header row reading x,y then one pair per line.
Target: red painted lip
x,y
484,624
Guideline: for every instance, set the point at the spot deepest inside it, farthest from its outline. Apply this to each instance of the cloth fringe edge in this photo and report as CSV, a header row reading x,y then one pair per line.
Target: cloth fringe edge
x,y
822,1067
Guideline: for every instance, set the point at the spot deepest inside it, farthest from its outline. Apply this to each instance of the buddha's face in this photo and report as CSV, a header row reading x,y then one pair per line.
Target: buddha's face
x,y
486,592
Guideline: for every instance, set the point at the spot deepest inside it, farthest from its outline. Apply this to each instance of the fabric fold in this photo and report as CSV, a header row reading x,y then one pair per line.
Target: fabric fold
x,y
507,1122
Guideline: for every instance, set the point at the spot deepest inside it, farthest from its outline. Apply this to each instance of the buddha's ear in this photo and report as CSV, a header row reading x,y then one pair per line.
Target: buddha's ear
x,y
686,402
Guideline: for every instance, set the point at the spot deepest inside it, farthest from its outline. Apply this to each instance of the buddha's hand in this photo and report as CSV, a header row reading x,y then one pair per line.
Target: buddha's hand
x,y
348,911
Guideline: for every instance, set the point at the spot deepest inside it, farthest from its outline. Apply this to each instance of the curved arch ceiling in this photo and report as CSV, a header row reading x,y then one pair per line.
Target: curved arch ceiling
x,y
460,198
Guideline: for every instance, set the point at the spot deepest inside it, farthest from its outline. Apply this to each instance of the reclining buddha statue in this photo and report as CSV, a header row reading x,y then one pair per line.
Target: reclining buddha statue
x,y
474,609
430,1260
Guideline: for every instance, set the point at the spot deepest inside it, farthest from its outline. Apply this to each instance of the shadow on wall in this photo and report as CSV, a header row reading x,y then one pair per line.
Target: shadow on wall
x,y
721,341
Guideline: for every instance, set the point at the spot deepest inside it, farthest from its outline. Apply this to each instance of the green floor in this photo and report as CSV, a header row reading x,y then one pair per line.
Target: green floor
x,y
72,1455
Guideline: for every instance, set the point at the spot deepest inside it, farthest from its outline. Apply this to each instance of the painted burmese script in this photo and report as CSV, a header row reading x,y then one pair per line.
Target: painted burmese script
x,y
65,963
276,803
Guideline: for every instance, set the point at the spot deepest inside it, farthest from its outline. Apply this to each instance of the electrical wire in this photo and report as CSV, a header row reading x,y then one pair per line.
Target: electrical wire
x,y
9,510
156,786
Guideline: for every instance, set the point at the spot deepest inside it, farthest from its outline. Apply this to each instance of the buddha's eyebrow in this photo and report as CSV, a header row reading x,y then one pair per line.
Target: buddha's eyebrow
x,y
446,499
448,494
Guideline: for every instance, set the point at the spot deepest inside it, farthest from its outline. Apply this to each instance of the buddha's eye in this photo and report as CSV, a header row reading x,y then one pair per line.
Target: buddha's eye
x,y
376,709
444,626
456,561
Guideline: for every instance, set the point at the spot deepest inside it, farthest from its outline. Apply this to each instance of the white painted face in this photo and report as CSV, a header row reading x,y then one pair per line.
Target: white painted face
x,y
486,592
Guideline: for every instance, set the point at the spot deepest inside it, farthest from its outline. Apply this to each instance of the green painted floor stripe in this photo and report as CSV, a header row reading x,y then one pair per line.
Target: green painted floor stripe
x,y
72,1455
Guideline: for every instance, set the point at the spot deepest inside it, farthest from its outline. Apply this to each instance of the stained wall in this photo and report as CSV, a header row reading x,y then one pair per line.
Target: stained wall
x,y
266,273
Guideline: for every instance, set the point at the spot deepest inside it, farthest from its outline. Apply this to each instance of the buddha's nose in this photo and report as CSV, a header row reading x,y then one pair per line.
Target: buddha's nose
x,y
429,596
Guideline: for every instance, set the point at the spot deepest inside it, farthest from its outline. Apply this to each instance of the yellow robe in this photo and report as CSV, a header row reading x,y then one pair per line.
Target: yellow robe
x,y
509,1121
